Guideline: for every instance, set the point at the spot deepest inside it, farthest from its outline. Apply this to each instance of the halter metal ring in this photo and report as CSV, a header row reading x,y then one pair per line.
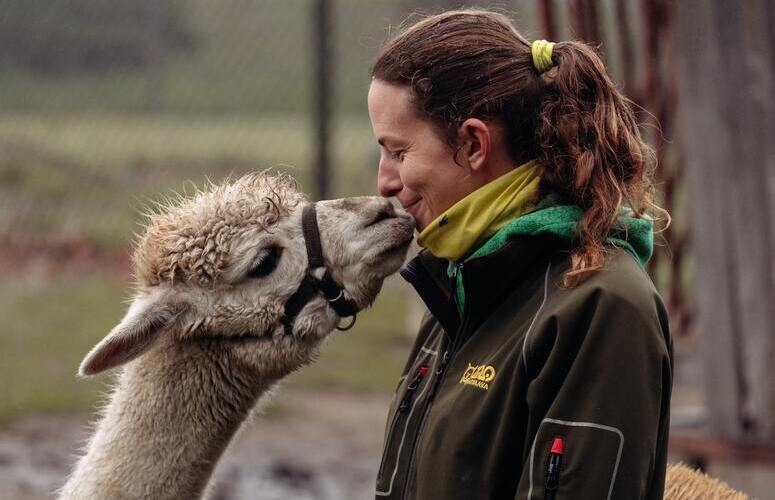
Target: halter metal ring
x,y
345,328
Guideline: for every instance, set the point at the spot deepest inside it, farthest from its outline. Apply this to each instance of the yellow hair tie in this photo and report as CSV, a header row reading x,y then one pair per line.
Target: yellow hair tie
x,y
542,55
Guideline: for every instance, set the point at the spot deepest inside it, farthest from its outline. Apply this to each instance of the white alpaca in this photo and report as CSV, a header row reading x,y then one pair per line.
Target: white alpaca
x,y
204,335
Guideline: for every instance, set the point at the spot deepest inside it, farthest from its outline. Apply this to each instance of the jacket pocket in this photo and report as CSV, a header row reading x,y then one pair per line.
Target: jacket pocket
x,y
405,412
572,460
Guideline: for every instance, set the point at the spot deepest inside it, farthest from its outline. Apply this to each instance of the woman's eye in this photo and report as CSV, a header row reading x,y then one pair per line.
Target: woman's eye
x,y
266,262
397,155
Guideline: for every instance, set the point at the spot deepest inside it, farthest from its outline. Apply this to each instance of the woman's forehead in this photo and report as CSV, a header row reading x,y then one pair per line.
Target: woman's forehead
x,y
390,109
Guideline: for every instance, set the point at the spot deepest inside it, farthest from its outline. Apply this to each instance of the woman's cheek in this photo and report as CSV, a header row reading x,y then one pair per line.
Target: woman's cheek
x,y
408,175
417,174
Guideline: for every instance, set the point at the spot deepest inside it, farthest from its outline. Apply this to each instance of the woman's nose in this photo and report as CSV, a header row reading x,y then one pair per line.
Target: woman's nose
x,y
388,180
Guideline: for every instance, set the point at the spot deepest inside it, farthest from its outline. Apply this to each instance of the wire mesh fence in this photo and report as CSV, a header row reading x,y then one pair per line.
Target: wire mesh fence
x,y
107,105
151,97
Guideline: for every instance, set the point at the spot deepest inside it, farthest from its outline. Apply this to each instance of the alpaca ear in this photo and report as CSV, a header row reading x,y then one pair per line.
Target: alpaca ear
x,y
146,318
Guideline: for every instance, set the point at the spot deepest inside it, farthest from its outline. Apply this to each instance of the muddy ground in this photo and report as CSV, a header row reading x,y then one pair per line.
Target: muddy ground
x,y
316,445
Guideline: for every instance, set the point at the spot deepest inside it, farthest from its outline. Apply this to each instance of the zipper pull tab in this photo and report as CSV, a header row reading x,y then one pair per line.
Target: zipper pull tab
x,y
444,360
553,468
422,371
439,372
456,271
453,282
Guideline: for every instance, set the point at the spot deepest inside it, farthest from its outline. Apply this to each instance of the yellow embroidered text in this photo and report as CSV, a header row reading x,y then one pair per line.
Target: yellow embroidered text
x,y
478,376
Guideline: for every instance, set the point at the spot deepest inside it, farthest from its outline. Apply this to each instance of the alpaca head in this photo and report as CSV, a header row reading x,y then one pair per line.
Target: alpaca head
x,y
215,271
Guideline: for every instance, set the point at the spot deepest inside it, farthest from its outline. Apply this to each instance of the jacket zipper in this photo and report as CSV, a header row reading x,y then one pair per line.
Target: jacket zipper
x,y
440,371
406,401
405,404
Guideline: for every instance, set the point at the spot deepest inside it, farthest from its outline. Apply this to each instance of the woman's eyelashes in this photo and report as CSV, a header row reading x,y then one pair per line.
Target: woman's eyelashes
x,y
266,262
398,155
393,154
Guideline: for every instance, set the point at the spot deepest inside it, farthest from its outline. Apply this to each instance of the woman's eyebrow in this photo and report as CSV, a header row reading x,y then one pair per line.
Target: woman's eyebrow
x,y
388,141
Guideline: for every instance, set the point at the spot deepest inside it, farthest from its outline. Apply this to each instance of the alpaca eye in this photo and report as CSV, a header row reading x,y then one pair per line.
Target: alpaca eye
x,y
266,262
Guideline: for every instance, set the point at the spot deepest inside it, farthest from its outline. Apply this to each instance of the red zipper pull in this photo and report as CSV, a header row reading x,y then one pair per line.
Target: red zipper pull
x,y
422,371
553,468
558,445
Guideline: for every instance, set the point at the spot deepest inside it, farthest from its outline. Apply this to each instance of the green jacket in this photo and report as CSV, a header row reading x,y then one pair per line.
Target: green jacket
x,y
529,366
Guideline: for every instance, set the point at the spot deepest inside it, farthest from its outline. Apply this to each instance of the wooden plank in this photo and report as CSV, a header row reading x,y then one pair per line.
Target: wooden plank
x,y
755,243
727,87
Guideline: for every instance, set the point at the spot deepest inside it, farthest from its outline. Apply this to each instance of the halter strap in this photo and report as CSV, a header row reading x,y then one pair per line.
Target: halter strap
x,y
309,226
311,285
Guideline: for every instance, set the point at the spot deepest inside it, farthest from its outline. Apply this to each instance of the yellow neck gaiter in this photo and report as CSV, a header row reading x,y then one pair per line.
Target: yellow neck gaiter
x,y
467,224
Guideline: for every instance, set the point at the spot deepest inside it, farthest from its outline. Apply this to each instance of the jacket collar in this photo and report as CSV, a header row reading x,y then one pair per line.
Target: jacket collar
x,y
487,279
428,275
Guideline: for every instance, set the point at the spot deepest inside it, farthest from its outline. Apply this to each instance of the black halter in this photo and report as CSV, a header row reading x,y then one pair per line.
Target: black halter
x,y
311,285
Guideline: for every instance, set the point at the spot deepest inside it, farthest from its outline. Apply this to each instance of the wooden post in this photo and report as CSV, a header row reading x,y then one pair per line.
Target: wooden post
x,y
727,55
584,20
548,23
626,50
321,20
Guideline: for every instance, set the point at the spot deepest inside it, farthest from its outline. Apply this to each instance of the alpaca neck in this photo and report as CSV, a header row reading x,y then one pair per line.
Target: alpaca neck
x,y
167,424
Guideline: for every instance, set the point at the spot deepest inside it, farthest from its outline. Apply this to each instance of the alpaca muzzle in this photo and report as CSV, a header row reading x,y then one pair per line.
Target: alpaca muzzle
x,y
311,285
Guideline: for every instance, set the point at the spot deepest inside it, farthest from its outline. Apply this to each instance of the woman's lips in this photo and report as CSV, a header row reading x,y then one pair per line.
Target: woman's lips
x,y
411,205
410,210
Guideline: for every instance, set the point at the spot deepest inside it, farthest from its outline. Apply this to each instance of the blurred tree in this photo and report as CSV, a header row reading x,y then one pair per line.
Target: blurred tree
x,y
91,35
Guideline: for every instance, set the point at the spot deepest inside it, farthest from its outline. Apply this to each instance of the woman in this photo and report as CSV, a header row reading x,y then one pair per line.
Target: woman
x,y
543,366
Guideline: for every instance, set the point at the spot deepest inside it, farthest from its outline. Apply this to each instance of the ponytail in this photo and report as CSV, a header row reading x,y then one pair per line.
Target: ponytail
x,y
589,143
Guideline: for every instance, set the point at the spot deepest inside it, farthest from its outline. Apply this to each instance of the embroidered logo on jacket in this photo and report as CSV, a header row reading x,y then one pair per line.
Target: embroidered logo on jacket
x,y
478,376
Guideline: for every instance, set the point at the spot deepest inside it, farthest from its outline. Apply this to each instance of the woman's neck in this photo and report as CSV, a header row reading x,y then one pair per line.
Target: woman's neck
x,y
472,220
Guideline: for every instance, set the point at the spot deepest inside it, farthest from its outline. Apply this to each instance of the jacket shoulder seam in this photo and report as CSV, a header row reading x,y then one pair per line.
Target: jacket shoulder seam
x,y
535,317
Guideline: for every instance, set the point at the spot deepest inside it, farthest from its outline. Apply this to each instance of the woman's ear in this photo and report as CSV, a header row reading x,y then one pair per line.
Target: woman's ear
x,y
475,143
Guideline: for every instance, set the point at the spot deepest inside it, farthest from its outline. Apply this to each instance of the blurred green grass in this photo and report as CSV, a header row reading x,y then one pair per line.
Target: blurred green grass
x,y
48,329
91,174
88,176
371,355
82,154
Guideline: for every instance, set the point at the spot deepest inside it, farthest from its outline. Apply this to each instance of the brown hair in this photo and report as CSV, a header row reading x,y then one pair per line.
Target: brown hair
x,y
473,63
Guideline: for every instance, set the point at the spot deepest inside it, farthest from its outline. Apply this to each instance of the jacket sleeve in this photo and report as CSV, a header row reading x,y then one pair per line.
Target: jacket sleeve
x,y
598,398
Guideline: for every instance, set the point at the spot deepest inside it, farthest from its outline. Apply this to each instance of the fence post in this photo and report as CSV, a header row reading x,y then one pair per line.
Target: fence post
x,y
548,23
727,56
322,22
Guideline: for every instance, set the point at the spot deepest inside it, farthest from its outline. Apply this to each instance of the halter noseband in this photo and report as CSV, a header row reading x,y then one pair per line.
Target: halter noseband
x,y
311,285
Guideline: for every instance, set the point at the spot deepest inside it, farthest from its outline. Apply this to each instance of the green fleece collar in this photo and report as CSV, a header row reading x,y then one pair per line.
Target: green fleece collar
x,y
630,233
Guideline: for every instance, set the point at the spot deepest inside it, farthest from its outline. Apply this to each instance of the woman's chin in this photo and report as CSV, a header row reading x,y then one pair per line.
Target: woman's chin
x,y
421,219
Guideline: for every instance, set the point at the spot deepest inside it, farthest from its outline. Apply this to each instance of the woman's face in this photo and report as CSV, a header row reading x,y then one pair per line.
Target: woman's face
x,y
416,165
